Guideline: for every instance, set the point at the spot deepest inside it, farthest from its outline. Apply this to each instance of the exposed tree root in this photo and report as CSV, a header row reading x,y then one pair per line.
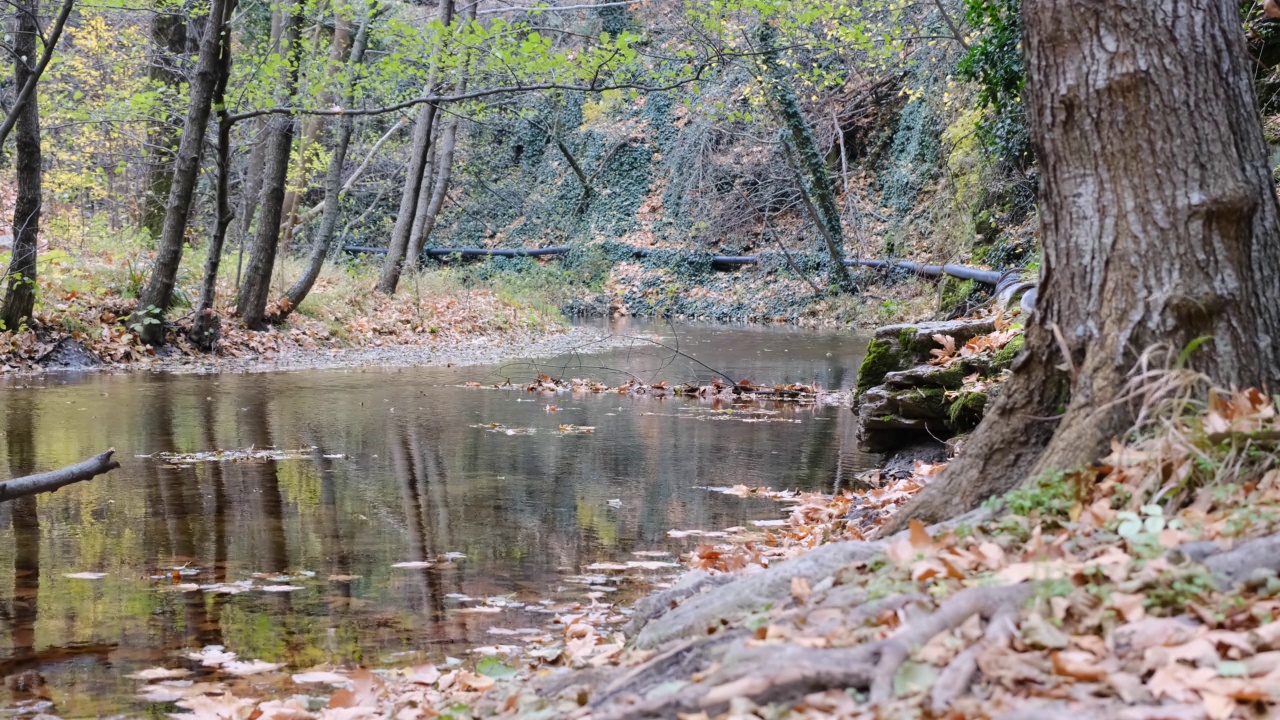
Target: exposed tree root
x,y
772,673
710,611
988,602
1236,565
955,678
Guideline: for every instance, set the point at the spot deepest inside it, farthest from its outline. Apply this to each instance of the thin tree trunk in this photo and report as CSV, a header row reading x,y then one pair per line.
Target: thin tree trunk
x,y
205,327
429,206
28,89
422,132
312,127
333,185
1151,238
252,193
356,174
169,34
440,189
148,319
20,295
815,180
257,278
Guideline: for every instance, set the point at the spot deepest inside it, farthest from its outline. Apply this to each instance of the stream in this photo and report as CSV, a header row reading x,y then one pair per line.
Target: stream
x,y
378,468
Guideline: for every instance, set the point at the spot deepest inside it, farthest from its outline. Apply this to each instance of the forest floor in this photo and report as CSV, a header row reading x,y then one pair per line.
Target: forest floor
x,y
87,293
1144,587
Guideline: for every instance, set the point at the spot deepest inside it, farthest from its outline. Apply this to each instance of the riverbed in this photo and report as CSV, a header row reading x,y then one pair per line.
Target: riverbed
x,y
371,515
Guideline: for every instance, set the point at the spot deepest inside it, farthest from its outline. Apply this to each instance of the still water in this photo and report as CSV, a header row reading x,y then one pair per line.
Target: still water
x,y
392,466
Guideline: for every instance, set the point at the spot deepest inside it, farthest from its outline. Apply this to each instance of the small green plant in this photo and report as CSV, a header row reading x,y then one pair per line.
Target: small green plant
x,y
1052,495
143,318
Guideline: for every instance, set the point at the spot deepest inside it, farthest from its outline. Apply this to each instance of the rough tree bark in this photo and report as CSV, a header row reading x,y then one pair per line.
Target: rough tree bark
x,y
252,303
332,184
418,167
1152,237
149,317
169,35
20,295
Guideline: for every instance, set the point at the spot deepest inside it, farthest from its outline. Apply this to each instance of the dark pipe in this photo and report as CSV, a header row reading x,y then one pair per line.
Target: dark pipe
x,y
485,252
986,277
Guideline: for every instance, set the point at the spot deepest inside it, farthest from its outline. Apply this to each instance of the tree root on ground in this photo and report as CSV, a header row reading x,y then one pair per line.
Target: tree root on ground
x,y
775,672
710,611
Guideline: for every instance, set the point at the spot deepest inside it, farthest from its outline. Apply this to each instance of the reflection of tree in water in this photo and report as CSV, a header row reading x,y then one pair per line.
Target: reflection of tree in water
x,y
420,472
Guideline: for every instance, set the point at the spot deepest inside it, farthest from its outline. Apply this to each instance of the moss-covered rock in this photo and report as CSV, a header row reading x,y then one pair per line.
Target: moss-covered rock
x,y
880,360
1008,354
965,412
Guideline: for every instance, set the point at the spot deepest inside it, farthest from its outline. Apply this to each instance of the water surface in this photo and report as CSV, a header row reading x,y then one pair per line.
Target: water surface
x,y
393,469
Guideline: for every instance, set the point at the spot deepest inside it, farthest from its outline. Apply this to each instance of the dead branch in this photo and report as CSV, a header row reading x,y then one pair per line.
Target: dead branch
x,y
54,479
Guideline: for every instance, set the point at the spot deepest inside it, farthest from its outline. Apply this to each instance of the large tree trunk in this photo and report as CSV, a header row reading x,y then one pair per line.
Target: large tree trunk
x,y
169,34
418,167
20,295
332,186
1151,237
252,303
148,318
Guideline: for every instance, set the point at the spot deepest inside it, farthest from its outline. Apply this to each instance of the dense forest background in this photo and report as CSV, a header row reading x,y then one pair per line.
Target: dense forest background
x,y
809,131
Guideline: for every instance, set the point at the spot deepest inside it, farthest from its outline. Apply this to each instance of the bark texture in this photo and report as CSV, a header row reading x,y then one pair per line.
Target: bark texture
x,y
164,272
20,294
418,168
1151,237
252,303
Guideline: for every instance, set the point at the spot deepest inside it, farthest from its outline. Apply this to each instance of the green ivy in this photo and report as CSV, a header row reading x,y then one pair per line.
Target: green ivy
x,y
995,63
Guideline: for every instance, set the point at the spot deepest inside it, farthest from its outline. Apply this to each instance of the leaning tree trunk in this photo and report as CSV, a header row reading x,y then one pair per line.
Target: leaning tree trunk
x,y
418,166
1160,225
815,179
148,318
20,295
332,185
252,304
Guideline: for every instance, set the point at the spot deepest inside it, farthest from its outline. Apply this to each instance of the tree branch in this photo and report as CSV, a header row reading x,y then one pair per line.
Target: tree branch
x,y
54,479
473,95
29,87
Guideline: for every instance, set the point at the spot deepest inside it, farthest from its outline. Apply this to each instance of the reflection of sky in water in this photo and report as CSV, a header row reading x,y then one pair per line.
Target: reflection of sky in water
x,y
529,512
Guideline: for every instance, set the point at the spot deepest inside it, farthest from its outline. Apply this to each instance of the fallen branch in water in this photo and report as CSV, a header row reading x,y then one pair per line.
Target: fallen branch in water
x,y
54,479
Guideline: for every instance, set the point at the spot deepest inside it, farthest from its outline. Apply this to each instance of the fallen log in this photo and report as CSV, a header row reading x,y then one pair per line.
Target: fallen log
x,y
54,479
